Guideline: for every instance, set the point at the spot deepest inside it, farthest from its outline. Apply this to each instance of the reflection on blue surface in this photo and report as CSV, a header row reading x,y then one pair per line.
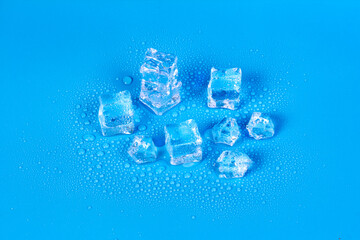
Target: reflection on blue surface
x,y
62,179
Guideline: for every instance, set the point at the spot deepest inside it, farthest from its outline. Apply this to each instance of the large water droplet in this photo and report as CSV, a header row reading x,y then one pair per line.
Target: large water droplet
x,y
127,80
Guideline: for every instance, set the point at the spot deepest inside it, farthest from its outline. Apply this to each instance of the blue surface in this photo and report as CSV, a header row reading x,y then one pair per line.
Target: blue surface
x,y
300,64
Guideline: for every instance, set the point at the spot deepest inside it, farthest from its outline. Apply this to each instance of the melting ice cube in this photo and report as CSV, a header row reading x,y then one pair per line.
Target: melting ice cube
x,y
160,89
226,131
183,142
232,164
260,126
224,88
143,149
116,114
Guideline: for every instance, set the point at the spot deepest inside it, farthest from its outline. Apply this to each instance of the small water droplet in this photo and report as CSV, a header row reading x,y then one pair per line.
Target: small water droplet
x,y
127,80
142,127
187,175
89,137
81,151
160,169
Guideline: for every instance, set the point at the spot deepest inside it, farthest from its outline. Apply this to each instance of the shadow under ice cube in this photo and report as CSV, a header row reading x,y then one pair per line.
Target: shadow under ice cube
x,y
260,126
116,114
160,89
224,88
232,164
143,150
183,142
226,131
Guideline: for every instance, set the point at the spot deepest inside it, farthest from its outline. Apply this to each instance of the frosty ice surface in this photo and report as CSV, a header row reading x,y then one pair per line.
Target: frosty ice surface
x,y
226,131
160,89
143,150
232,164
260,126
183,142
116,114
224,88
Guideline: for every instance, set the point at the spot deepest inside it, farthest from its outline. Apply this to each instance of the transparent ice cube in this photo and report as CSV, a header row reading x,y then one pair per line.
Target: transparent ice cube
x,y
226,131
224,88
183,142
143,149
260,126
116,114
160,89
232,164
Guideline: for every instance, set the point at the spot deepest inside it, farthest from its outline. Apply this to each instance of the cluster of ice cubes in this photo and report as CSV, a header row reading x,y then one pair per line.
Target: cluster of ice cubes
x,y
160,91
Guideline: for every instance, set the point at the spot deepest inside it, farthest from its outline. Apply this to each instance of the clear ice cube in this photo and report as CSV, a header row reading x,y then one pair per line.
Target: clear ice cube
x,y
116,114
224,88
226,131
160,89
143,149
232,164
183,142
260,126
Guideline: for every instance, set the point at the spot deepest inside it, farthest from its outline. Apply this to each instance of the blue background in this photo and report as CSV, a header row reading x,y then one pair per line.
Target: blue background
x,y
302,58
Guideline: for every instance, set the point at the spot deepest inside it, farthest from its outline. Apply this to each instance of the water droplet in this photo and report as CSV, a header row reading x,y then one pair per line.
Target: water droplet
x,y
81,151
127,80
142,127
89,137
106,145
83,115
134,179
187,175
189,164
193,217
160,169
98,166
127,165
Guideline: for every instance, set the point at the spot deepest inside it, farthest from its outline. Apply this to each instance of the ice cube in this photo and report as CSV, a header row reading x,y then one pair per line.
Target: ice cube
x,y
160,89
116,114
232,164
226,131
224,88
143,149
183,142
260,126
